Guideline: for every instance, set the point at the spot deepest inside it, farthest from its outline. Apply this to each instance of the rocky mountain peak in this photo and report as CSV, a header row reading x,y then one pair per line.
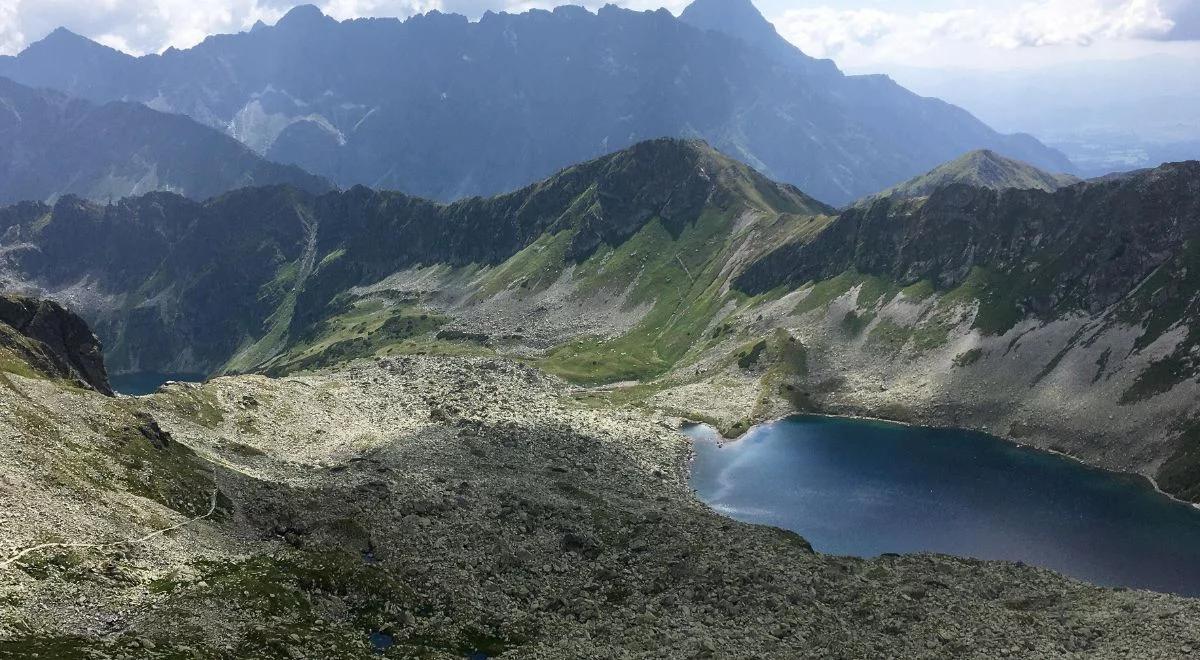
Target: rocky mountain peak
x,y
741,20
738,17
304,16
983,168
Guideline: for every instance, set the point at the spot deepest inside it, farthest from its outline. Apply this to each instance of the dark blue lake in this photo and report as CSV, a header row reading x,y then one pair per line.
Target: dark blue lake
x,y
147,382
855,487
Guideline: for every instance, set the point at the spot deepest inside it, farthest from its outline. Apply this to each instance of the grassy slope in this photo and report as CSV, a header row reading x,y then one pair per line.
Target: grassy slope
x,y
683,280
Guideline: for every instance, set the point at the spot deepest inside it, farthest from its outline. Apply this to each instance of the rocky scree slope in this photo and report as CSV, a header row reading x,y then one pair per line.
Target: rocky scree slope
x,y
442,107
53,145
456,506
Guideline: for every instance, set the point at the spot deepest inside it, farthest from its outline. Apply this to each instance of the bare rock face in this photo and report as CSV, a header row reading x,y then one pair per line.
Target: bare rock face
x,y
53,341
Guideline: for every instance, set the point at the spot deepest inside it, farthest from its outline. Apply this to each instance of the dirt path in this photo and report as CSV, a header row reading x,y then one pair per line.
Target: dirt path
x,y
212,506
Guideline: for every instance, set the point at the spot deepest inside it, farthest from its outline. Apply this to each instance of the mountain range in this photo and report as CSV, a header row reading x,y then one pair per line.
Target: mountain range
x,y
442,107
52,144
675,266
376,338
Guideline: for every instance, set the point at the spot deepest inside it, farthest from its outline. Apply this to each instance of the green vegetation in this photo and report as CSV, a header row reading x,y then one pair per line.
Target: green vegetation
x,y
172,475
747,357
995,294
676,276
532,269
968,357
365,327
824,292
1166,297
854,323
1159,378
918,291
873,291
1180,474
201,406
927,334
63,563
286,590
14,364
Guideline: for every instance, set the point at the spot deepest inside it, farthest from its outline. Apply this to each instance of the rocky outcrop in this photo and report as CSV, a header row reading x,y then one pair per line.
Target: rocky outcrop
x,y
53,341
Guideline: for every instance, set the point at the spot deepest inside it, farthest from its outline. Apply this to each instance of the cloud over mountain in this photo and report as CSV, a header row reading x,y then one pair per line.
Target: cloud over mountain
x,y
143,26
830,31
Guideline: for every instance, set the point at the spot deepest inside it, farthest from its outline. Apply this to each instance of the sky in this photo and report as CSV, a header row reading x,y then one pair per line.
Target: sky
x,y
860,35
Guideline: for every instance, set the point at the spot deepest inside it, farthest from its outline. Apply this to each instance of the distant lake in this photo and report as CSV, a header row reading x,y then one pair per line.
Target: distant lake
x,y
862,488
147,382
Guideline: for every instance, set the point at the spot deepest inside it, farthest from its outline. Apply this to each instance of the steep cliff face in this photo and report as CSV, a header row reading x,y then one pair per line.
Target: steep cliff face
x,y
52,341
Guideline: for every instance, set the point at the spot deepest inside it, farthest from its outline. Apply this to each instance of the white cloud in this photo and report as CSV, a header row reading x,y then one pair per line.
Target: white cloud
x,y
850,34
12,38
859,36
344,9
136,26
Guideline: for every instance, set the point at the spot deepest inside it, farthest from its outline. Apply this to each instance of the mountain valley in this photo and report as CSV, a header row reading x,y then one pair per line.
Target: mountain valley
x,y
407,339
435,506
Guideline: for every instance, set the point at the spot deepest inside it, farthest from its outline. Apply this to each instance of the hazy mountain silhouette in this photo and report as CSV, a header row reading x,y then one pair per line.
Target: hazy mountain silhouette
x,y
52,144
440,106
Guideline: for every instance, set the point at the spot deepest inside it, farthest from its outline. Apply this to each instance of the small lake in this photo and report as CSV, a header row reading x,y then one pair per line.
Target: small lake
x,y
854,487
147,382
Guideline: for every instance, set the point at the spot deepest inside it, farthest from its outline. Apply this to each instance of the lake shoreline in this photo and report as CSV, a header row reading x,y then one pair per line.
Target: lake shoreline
x,y
911,489
144,383
685,421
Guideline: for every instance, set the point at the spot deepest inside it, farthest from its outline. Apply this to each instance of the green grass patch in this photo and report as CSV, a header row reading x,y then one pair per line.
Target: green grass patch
x,y
853,323
532,269
918,291
748,357
678,277
1160,377
968,357
172,475
995,293
1180,474
367,327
